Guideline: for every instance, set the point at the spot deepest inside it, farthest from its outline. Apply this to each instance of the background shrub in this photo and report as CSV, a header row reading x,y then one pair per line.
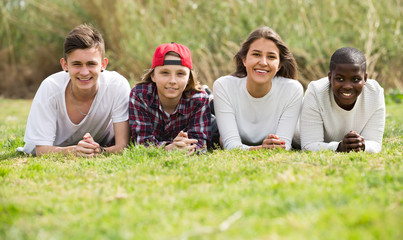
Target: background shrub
x,y
32,34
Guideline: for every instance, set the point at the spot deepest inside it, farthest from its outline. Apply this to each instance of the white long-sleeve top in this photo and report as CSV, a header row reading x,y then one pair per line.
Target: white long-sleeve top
x,y
324,124
245,121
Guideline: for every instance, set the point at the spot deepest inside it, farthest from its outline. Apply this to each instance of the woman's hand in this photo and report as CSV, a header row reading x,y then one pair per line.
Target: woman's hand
x,y
352,141
273,141
182,142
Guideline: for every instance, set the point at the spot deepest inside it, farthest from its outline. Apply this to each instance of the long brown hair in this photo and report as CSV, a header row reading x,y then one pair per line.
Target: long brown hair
x,y
288,64
192,85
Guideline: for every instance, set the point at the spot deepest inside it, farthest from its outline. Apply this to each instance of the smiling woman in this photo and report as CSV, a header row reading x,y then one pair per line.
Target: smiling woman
x,y
262,63
258,105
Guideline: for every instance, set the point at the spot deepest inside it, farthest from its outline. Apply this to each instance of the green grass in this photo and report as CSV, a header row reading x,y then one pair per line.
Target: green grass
x,y
146,193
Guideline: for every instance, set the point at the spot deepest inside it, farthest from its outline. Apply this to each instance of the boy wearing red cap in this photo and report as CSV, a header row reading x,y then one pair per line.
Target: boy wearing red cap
x,y
168,108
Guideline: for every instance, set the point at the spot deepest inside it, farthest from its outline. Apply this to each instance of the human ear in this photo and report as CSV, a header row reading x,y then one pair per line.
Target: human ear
x,y
365,77
104,63
63,63
329,76
152,76
243,61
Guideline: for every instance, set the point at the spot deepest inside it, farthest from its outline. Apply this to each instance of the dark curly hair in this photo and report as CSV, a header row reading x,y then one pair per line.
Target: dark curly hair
x,y
348,55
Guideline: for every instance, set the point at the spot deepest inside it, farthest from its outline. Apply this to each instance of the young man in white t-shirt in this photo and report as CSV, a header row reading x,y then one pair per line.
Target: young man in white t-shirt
x,y
82,110
345,111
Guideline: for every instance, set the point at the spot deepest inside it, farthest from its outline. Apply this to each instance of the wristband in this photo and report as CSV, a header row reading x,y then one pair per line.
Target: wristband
x,y
102,150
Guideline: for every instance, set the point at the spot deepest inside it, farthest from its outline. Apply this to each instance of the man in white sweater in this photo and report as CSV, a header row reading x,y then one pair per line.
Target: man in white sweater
x,y
345,111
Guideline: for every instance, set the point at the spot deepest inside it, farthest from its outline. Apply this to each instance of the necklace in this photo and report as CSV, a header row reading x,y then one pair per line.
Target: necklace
x,y
74,100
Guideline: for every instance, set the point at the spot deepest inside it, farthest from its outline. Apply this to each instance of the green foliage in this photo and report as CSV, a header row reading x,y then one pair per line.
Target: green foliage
x,y
394,96
394,121
32,34
147,193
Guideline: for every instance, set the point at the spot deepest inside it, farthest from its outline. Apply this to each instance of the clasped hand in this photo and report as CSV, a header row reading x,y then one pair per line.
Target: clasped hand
x,y
87,147
273,141
182,142
270,142
352,141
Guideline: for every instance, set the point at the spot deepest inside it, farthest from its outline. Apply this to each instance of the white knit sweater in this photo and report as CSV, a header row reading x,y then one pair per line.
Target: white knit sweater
x,y
245,121
323,123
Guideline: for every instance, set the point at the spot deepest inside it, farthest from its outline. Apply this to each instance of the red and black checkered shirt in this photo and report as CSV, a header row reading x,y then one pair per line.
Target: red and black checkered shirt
x,y
150,124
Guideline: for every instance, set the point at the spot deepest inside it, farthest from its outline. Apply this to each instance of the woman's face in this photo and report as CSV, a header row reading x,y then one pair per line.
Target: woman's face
x,y
262,61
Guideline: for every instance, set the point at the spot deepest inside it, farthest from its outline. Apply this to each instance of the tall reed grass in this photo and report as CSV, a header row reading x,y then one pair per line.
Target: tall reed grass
x,y
32,33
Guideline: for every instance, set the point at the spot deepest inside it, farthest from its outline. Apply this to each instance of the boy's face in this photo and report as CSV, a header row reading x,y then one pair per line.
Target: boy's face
x,y
347,81
84,67
171,81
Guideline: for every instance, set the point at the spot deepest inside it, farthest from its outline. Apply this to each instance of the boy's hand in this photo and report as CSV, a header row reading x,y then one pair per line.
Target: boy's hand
x,y
352,141
182,142
87,147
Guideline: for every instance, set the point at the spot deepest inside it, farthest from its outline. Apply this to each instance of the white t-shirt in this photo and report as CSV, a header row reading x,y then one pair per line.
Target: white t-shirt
x,y
324,124
245,121
49,124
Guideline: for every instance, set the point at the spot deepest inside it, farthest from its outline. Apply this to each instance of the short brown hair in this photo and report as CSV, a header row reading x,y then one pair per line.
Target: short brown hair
x,y
82,37
192,85
288,64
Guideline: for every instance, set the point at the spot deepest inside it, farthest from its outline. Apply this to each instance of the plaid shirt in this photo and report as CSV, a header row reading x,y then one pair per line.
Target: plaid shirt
x,y
150,124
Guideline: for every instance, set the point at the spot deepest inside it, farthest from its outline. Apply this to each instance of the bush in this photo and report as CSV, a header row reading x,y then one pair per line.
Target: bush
x,y
32,35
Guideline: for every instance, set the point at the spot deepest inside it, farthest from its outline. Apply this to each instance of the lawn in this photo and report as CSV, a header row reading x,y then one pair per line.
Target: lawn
x,y
151,194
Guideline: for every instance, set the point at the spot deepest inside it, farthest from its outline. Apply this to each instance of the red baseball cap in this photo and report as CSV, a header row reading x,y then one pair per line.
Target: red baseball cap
x,y
162,50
